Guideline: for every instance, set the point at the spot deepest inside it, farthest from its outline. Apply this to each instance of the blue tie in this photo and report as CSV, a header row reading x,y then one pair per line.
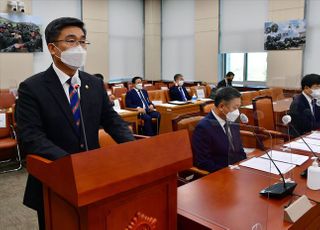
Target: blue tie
x,y
143,100
74,105
182,94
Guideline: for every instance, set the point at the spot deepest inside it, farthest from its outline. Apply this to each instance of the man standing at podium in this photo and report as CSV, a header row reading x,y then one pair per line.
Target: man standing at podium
x,y
51,120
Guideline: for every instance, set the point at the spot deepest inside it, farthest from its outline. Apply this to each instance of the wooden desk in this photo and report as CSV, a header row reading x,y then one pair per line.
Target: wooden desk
x,y
169,112
130,116
280,108
229,199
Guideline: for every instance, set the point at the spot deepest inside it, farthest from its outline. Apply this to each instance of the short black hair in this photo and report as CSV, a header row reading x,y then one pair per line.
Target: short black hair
x,y
135,78
226,94
98,75
54,28
176,76
310,80
229,74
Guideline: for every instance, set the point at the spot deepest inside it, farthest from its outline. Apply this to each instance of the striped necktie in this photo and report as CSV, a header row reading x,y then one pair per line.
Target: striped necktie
x,y
74,105
183,96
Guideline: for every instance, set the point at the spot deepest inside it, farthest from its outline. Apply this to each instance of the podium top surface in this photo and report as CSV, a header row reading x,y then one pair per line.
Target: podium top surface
x,y
87,177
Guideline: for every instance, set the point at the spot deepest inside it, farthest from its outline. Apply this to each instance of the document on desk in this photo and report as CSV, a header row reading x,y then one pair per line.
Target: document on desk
x,y
303,146
266,165
310,141
3,122
314,135
291,158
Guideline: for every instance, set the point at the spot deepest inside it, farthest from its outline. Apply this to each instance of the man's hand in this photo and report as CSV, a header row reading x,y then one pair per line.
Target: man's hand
x,y
141,110
151,108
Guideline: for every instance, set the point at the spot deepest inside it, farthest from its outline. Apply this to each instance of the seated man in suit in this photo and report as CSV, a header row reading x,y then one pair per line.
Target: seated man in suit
x,y
178,92
216,139
304,111
227,81
138,98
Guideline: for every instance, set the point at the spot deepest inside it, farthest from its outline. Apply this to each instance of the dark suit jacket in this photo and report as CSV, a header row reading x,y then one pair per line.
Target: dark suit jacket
x,y
46,125
175,94
210,145
302,118
222,83
133,100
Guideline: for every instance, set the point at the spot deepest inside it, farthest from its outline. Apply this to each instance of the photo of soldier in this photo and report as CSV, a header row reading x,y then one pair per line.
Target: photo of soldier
x,y
285,35
19,36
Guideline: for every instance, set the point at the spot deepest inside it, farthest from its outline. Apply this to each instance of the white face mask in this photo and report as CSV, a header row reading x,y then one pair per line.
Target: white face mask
x,y
180,83
74,57
139,86
315,93
232,116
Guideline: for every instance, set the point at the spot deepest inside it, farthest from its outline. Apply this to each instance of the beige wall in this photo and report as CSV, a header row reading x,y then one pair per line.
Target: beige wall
x,y
285,67
152,39
95,16
206,40
14,68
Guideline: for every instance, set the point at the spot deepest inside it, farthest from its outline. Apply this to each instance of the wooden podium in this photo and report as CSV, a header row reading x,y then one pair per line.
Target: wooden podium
x,y
126,186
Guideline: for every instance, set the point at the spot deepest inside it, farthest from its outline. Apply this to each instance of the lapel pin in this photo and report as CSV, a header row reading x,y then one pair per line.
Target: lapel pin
x,y
87,87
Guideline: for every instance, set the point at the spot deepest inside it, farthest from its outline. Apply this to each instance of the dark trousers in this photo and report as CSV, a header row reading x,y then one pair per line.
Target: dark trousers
x,y
148,128
41,220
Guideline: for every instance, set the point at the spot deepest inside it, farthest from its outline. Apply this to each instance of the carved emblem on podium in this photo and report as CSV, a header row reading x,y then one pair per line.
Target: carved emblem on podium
x,y
142,222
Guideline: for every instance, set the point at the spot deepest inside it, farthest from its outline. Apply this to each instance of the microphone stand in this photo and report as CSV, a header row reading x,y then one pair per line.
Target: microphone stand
x,y
305,172
83,128
278,190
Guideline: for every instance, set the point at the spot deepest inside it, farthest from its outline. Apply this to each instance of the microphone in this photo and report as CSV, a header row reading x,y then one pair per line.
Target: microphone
x,y
286,119
278,190
76,84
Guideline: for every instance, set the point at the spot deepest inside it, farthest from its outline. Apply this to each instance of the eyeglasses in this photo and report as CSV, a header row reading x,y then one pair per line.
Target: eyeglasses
x,y
73,42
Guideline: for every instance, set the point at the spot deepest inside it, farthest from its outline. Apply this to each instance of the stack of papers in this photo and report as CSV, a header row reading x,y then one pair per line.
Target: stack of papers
x,y
291,158
266,165
178,102
314,135
303,146
310,141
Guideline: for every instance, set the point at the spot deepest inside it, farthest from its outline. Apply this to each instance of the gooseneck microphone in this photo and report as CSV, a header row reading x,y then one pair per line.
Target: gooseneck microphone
x,y
76,85
278,190
286,120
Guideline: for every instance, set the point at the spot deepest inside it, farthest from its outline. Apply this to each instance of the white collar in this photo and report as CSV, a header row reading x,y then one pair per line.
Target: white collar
x,y
309,99
219,119
64,77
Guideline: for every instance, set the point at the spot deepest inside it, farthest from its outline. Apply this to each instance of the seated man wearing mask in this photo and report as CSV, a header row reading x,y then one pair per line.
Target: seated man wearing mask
x,y
137,98
304,111
178,92
227,81
216,139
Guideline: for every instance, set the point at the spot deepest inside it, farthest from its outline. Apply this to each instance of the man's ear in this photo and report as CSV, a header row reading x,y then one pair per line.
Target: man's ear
x,y
52,49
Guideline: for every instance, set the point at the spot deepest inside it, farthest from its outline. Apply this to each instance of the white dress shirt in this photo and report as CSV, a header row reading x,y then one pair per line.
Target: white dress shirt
x,y
220,120
64,78
309,99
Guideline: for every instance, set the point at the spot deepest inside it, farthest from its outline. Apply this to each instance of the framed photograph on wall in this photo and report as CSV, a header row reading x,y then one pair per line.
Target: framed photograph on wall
x,y
285,35
20,33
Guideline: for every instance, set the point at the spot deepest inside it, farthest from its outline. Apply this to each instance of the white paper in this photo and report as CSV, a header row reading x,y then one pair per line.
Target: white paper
x,y
168,105
310,141
157,102
200,93
266,165
116,105
286,157
303,146
206,99
178,102
3,123
164,88
314,135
